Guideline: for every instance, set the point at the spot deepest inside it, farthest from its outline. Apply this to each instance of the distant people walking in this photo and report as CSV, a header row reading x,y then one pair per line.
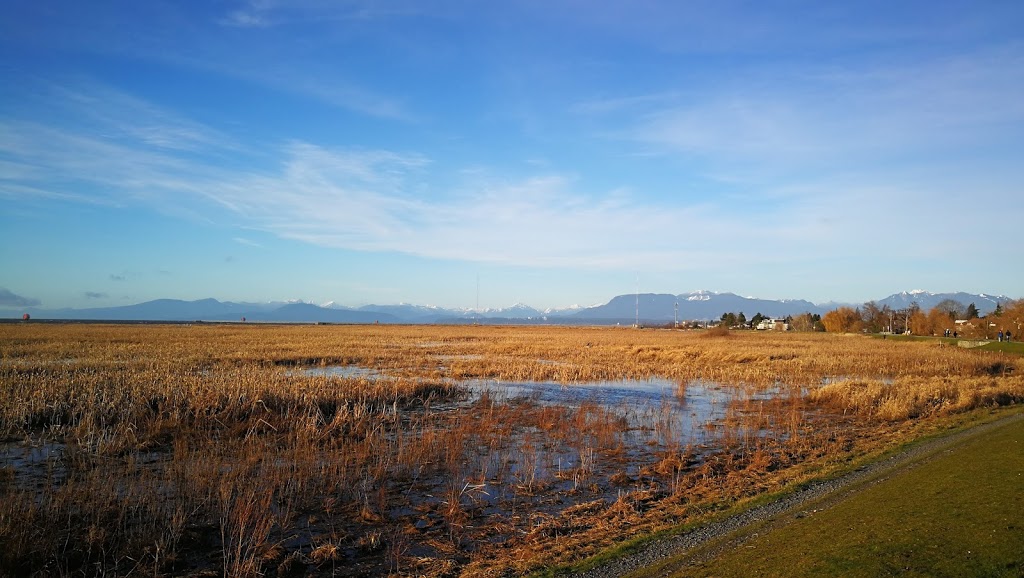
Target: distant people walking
x,y
1000,336
1007,336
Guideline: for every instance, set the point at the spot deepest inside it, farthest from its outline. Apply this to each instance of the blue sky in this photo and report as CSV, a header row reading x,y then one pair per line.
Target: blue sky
x,y
558,152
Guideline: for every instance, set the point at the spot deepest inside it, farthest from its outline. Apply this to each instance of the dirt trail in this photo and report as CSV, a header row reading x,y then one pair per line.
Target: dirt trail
x,y
716,538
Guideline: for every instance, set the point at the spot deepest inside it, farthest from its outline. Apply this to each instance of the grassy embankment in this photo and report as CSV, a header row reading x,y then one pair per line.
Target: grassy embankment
x,y
1015,347
1011,347
959,513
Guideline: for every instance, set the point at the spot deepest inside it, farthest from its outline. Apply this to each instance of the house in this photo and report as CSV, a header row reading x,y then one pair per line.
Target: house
x,y
772,324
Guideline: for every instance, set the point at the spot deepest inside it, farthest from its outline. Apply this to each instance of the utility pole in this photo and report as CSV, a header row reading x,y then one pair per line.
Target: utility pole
x,y
675,317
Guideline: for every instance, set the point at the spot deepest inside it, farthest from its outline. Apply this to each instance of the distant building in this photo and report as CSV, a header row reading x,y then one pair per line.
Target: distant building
x,y
772,325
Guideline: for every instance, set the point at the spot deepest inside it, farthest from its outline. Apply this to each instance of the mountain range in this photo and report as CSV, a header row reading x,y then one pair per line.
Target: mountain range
x,y
649,308
925,300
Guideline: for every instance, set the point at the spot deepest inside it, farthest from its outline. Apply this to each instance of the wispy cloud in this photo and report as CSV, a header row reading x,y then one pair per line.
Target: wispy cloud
x,y
247,242
388,201
119,116
322,25
616,104
95,295
252,14
267,13
301,48
9,299
378,200
347,95
103,146
360,200
348,199
840,117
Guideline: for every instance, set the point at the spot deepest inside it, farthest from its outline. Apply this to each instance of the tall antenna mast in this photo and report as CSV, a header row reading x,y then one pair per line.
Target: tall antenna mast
x,y
637,324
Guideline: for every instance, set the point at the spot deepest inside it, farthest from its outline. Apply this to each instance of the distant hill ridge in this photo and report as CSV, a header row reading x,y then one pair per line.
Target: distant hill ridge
x,y
925,300
649,307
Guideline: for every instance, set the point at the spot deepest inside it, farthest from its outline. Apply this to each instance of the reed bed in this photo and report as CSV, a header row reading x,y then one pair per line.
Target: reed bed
x,y
174,450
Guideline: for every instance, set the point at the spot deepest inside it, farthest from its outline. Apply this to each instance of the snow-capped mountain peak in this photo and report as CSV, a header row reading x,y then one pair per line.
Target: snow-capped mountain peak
x,y
569,309
700,295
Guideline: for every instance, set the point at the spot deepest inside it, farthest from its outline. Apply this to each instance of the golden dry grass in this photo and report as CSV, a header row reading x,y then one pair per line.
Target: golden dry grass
x,y
179,449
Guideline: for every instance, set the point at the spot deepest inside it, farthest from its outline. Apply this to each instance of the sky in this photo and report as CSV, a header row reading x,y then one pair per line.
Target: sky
x,y
478,154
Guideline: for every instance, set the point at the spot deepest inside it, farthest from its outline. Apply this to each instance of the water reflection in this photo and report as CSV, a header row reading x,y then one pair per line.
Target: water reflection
x,y
688,409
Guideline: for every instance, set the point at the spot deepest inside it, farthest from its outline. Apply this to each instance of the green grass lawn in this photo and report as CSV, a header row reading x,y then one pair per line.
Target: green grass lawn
x,y
958,514
1006,347
1016,347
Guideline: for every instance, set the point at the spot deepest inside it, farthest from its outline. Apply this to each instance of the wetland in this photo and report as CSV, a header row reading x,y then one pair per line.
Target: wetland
x,y
244,450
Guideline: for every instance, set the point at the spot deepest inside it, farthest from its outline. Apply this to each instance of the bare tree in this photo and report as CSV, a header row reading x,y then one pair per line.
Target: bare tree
x,y
954,309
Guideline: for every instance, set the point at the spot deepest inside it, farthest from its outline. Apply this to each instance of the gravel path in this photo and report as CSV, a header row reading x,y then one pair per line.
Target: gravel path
x,y
820,495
